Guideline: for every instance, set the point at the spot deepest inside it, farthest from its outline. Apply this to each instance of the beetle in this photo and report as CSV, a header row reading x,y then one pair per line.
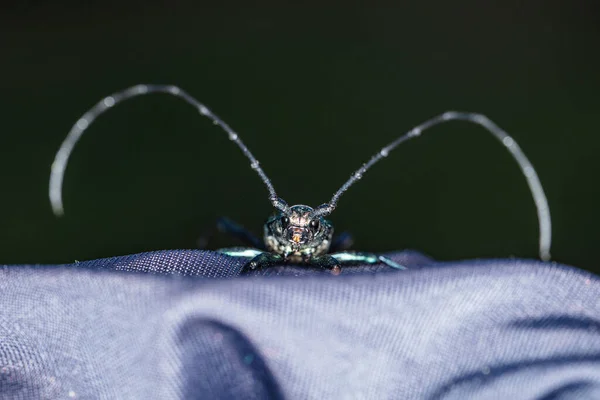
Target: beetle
x,y
299,233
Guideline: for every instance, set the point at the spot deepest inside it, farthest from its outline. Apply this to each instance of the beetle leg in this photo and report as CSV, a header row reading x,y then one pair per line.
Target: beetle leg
x,y
243,252
327,262
261,261
353,258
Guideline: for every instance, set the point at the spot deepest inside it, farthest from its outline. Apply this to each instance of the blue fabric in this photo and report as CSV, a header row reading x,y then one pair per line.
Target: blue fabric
x,y
153,326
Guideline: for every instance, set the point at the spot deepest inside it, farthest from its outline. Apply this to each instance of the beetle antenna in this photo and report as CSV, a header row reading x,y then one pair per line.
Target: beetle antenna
x,y
63,154
537,192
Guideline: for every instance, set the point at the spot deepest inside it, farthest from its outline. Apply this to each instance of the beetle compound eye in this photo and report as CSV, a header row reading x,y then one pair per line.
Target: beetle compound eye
x,y
285,221
314,224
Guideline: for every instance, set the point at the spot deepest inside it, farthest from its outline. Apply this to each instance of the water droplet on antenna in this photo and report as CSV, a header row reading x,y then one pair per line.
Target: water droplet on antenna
x,y
141,89
82,123
448,115
508,141
109,101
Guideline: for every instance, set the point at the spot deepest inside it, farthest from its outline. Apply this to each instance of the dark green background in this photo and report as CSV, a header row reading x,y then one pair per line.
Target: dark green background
x,y
314,91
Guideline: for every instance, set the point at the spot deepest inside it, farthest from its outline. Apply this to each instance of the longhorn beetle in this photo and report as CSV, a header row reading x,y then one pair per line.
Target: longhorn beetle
x,y
301,234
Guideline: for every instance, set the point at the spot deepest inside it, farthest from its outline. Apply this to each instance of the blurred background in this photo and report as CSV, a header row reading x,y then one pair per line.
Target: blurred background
x,y
314,91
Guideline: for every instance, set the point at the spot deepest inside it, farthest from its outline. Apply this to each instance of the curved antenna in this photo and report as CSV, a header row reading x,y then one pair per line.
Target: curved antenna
x,y
537,192
62,156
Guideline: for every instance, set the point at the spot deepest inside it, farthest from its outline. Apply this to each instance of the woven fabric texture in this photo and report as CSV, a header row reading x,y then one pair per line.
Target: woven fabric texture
x,y
185,325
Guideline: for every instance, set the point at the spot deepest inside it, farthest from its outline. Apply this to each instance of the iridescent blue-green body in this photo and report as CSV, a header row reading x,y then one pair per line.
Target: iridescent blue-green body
x,y
296,235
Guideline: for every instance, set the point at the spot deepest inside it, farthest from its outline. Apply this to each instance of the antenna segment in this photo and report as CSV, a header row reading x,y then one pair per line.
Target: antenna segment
x,y
62,156
537,192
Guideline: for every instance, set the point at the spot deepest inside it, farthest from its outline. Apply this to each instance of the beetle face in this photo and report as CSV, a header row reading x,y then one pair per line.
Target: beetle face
x,y
298,227
298,234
